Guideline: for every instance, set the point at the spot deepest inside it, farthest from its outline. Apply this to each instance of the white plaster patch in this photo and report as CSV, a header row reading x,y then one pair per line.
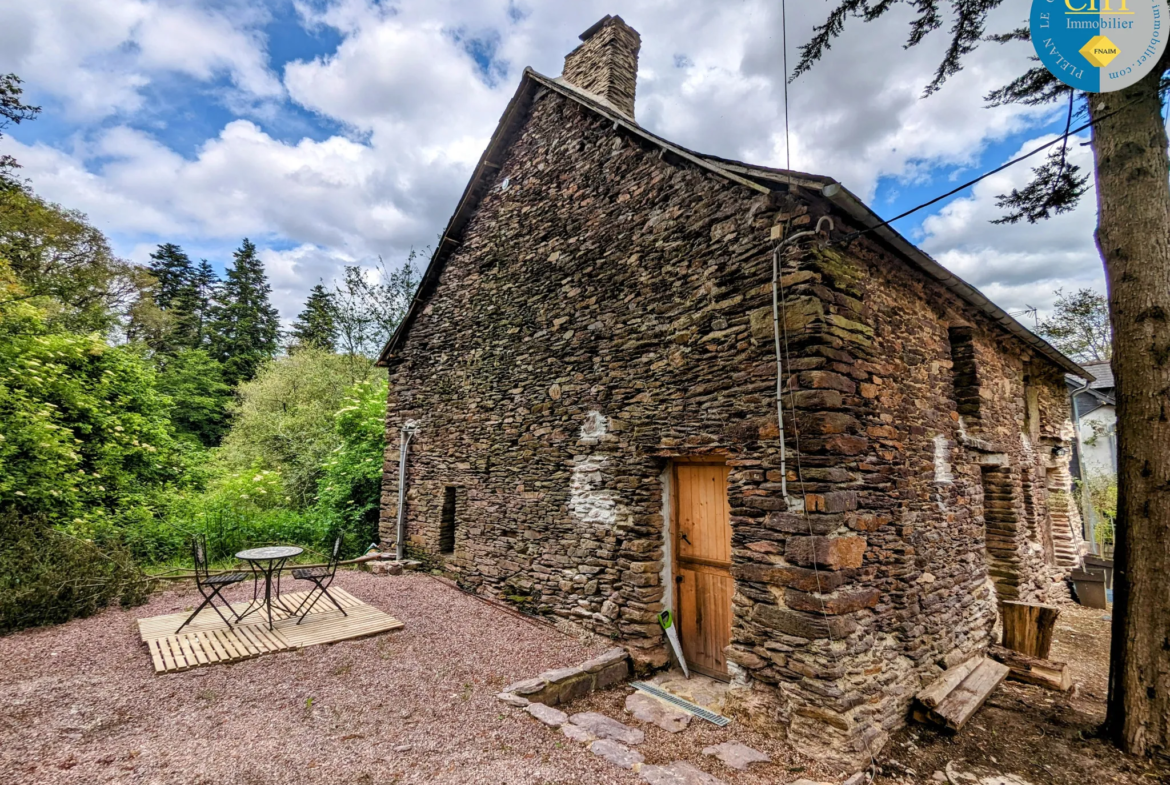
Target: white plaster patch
x,y
595,426
942,467
588,501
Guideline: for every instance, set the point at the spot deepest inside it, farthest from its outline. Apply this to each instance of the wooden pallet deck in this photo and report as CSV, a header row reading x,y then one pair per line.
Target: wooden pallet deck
x,y
207,640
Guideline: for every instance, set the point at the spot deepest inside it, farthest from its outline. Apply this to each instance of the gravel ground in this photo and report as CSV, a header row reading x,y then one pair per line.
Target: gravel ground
x,y
415,705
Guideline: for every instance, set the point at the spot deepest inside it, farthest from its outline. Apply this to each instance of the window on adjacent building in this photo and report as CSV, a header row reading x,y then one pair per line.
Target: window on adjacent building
x,y
447,521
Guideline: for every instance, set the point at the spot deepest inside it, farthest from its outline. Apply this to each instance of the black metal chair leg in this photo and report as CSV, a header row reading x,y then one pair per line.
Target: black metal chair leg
x,y
207,600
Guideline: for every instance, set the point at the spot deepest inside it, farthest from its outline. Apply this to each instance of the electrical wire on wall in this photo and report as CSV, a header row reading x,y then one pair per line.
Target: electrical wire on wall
x,y
783,360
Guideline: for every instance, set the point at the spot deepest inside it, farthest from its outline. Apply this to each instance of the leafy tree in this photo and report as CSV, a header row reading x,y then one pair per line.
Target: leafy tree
x,y
349,492
55,254
199,395
315,325
13,110
86,441
284,418
370,305
1079,326
1132,170
175,314
245,328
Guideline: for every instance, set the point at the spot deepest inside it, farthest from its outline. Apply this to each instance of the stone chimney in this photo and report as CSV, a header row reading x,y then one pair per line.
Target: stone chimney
x,y
606,64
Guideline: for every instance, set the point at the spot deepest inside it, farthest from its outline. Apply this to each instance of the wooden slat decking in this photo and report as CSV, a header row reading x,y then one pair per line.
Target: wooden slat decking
x,y
207,640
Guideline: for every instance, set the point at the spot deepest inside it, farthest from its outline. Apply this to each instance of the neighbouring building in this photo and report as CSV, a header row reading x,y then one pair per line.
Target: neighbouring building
x,y
591,365
1095,459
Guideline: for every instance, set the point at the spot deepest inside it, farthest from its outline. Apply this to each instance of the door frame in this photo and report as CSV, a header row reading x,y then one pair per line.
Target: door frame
x,y
671,543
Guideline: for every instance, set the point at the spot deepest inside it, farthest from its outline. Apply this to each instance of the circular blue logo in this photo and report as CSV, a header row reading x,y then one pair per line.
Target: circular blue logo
x,y
1099,45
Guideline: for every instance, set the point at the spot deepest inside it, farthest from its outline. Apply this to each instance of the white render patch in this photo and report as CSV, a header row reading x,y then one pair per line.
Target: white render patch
x,y
942,467
588,501
595,426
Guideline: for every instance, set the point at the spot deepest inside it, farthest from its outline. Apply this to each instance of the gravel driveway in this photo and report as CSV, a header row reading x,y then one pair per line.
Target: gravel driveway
x,y
417,705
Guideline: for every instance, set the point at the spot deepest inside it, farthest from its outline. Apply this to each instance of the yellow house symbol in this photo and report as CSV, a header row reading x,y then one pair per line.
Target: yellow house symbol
x,y
1100,51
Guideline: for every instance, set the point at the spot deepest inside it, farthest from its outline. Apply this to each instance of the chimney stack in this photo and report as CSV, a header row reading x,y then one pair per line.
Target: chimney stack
x,y
606,64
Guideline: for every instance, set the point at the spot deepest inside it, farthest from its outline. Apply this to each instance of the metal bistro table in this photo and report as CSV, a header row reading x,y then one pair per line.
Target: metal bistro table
x,y
267,562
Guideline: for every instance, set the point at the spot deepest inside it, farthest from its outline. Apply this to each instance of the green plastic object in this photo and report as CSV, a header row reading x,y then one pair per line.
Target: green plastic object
x,y
667,622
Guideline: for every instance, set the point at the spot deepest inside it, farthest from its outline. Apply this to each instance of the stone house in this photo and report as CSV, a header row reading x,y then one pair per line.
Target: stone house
x,y
591,368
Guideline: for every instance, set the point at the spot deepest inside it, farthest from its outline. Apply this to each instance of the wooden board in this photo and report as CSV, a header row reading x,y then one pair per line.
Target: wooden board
x,y
956,708
208,641
945,684
1028,628
702,569
1033,670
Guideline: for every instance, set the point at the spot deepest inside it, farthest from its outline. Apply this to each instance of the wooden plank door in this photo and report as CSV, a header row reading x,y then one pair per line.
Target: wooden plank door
x,y
702,565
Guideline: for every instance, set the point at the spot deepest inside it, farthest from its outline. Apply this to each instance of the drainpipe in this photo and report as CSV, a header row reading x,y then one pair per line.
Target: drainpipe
x,y
1086,504
408,429
776,340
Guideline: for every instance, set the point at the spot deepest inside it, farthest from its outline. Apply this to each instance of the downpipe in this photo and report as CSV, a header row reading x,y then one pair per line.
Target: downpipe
x,y
408,430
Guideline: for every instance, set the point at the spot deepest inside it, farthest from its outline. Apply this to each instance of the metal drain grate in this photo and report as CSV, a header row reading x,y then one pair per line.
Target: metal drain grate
x,y
698,711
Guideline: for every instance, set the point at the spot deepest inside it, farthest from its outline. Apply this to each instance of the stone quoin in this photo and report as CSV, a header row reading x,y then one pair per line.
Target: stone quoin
x,y
598,313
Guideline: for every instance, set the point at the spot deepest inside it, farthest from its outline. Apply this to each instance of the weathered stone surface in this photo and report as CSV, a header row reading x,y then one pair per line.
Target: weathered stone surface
x,y
836,603
526,687
604,727
831,553
512,699
677,773
613,674
736,755
603,661
649,709
617,754
803,625
554,718
577,733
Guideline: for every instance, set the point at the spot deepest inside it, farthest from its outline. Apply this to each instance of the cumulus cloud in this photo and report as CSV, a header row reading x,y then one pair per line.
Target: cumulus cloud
x,y
418,88
1018,265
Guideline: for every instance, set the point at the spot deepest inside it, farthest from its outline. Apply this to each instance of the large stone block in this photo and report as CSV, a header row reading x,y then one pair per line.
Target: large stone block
x,y
803,625
832,553
836,603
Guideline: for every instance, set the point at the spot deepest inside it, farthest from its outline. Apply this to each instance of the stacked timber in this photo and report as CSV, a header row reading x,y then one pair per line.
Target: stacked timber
x,y
1033,670
955,696
1027,640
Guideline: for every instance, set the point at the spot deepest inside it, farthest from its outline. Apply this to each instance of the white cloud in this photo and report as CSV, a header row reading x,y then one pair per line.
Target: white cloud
x,y
95,57
419,108
1022,264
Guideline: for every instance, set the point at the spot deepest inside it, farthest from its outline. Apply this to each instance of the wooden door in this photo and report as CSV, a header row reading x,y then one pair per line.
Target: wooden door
x,y
702,565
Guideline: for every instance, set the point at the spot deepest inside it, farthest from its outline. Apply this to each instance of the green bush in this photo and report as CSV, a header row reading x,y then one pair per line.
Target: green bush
x,y
349,495
50,577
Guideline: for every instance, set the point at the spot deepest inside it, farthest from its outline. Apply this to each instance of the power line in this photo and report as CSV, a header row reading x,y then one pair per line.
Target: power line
x,y
1067,133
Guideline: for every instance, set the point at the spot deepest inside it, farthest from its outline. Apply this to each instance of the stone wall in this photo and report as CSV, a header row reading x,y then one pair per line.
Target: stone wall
x,y
609,308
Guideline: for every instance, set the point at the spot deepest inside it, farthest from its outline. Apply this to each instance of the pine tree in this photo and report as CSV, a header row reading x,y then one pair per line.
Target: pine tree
x,y
192,308
173,270
316,325
245,327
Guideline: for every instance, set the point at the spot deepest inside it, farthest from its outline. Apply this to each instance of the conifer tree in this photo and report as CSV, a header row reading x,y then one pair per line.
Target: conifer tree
x,y
316,325
245,328
173,270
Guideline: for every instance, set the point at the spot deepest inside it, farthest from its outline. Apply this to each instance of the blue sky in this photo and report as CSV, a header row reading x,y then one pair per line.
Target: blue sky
x,y
334,131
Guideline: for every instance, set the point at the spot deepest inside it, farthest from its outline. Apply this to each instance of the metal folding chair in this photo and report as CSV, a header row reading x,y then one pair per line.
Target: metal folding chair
x,y
321,577
210,585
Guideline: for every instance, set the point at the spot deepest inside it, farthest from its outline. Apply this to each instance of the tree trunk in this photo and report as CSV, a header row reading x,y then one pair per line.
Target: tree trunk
x,y
1133,234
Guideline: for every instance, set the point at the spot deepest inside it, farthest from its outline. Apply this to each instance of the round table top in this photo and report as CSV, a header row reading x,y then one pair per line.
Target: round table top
x,y
270,553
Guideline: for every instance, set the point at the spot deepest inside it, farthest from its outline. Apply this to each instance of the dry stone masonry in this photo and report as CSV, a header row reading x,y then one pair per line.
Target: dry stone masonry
x,y
604,307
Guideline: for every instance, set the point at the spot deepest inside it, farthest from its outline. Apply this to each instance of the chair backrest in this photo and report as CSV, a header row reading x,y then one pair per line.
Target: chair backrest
x,y
335,555
199,554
